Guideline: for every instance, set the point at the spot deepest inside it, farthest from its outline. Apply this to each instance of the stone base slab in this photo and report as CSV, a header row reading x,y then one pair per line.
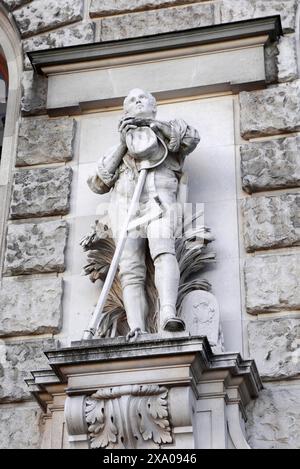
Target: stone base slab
x,y
114,394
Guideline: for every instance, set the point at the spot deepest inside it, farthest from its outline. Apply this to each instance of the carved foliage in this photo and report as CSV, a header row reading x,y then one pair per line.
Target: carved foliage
x,y
128,417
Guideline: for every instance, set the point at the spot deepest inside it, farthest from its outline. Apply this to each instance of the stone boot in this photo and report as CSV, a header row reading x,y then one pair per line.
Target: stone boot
x,y
136,308
167,277
169,321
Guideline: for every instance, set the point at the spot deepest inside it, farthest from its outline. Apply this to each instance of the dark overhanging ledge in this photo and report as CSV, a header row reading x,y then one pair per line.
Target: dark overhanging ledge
x,y
270,26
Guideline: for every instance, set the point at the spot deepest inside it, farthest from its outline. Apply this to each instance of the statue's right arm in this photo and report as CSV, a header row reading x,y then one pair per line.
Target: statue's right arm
x,y
107,172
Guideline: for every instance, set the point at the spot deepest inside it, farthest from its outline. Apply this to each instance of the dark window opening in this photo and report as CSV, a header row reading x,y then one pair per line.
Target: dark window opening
x,y
3,95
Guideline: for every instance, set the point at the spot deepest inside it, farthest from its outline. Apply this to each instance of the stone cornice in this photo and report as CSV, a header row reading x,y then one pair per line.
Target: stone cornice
x,y
108,356
47,59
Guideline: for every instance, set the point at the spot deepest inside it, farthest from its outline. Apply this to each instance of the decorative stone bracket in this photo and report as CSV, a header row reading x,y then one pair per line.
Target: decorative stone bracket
x,y
125,417
160,392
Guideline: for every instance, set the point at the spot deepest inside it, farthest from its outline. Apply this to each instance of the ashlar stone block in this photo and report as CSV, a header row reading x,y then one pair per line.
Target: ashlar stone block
x,y
157,21
30,306
236,10
36,248
113,7
272,283
274,418
17,360
271,222
271,111
12,4
275,346
40,16
69,36
21,426
34,94
272,164
43,141
287,59
41,192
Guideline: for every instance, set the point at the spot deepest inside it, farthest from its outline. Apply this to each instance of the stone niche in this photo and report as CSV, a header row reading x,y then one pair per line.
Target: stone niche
x,y
194,75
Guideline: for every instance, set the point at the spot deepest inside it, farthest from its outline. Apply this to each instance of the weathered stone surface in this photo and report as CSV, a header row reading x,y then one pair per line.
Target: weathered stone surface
x,y
271,222
112,7
281,60
41,16
41,192
200,312
273,164
21,426
271,62
272,283
43,141
287,59
35,248
69,36
236,10
12,4
17,360
157,21
34,94
271,111
30,306
274,418
275,346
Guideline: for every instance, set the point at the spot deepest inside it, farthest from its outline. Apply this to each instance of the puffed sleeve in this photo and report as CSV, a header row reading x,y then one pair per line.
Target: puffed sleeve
x,y
106,173
184,138
97,185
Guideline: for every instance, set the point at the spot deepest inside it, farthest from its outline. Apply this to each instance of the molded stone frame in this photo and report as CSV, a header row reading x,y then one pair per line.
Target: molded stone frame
x,y
225,58
11,45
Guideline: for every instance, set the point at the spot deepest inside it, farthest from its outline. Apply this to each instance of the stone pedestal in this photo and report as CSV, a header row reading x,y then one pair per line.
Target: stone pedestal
x,y
166,392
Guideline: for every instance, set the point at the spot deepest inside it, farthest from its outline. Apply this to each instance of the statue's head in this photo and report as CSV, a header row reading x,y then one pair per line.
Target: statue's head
x,y
140,103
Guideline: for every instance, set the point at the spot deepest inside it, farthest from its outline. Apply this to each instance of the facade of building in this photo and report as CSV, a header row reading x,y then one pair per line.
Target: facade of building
x,y
237,81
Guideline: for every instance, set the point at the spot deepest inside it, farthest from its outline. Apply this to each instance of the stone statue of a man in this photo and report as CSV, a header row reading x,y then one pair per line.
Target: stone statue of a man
x,y
161,147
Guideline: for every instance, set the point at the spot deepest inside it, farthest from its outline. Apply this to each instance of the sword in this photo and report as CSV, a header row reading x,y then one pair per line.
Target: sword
x,y
96,317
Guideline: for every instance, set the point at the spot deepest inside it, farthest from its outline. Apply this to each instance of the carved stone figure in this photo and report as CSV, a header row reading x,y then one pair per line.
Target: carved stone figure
x,y
160,148
192,256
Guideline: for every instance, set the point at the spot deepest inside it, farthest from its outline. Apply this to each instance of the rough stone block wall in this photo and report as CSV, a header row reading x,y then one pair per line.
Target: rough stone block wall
x,y
32,286
270,219
270,175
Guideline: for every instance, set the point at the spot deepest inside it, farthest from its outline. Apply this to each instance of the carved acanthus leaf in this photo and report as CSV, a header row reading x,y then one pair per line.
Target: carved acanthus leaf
x,y
153,415
128,417
100,420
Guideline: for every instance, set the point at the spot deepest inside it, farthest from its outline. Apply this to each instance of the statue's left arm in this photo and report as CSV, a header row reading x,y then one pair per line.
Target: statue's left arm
x,y
181,137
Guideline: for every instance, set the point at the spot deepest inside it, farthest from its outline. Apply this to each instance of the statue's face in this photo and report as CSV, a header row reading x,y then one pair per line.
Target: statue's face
x,y
140,104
